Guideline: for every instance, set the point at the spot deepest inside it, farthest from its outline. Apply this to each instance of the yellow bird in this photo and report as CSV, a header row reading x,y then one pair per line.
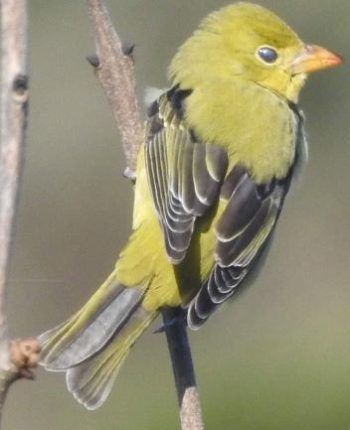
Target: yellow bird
x,y
220,151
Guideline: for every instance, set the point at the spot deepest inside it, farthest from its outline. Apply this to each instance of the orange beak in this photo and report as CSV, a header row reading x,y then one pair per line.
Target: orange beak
x,y
313,58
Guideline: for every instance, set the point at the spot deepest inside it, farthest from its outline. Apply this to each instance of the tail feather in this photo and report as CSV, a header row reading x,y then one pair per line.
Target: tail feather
x,y
58,341
92,345
86,342
91,381
90,329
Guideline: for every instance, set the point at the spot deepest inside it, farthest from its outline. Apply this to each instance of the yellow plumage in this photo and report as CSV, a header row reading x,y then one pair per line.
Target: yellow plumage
x,y
221,148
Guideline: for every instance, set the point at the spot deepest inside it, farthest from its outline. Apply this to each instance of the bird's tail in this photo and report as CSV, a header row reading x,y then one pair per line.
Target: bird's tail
x,y
92,345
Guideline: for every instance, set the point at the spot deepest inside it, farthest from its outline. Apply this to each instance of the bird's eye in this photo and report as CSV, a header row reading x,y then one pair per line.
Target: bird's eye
x,y
267,54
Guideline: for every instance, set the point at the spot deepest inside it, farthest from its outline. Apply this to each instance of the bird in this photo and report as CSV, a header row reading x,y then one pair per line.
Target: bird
x,y
222,146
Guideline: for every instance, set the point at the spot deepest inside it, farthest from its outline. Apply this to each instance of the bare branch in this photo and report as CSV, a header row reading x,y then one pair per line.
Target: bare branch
x,y
185,380
13,119
115,71
15,358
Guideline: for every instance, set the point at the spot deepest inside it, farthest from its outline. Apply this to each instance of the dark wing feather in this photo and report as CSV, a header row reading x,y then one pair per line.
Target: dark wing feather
x,y
184,175
243,230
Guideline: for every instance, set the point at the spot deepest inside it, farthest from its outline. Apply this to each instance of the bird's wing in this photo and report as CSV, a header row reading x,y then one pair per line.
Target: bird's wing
x,y
184,175
243,231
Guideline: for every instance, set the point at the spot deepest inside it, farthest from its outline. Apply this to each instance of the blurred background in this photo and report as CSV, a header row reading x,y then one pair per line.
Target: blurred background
x,y
276,358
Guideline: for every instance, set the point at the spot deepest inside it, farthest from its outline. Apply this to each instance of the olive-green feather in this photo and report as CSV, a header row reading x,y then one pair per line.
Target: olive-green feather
x,y
91,381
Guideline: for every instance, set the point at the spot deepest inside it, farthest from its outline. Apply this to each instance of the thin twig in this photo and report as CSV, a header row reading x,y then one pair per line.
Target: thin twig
x,y
15,357
115,71
185,380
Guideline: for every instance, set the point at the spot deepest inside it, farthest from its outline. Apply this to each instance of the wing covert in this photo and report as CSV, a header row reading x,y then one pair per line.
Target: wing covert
x,y
184,175
243,232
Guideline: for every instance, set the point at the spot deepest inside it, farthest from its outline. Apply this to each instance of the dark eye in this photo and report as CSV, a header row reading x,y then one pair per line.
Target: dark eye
x,y
268,55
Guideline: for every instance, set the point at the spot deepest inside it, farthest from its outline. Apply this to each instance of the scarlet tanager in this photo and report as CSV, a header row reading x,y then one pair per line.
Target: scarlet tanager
x,y
221,148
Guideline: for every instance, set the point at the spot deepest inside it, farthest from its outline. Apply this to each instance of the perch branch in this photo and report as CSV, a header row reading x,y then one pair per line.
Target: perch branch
x,y
115,71
16,357
180,353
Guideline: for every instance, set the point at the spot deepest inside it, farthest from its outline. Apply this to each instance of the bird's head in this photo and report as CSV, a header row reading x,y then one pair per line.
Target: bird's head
x,y
247,41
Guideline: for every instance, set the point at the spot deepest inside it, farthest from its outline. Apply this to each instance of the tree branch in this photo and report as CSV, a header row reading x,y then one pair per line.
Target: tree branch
x,y
115,71
185,380
16,357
